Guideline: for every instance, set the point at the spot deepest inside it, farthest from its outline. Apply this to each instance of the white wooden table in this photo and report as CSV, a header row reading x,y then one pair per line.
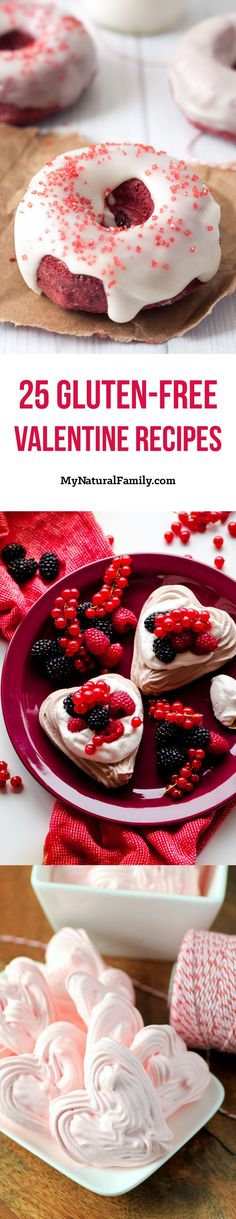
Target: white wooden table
x,y
24,818
130,99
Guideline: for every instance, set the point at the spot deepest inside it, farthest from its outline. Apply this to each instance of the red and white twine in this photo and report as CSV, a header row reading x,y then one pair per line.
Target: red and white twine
x,y
203,998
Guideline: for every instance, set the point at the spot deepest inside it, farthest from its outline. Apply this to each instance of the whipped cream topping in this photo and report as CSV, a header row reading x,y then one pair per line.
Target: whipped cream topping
x,y
50,72
87,991
110,752
29,1082
65,214
27,1004
223,698
117,1119
202,74
186,666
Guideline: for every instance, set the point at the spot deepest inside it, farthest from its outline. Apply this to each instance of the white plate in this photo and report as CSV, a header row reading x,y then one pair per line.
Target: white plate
x,y
110,1182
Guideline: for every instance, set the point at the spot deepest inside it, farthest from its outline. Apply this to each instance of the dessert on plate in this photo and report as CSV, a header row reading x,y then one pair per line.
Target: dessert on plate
x,y
99,727
202,75
179,640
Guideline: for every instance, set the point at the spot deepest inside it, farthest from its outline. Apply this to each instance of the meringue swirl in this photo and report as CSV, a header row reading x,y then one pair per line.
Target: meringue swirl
x,y
29,1081
27,1004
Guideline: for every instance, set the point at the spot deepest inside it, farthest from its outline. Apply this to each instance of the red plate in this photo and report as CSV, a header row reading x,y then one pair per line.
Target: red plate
x,y
142,801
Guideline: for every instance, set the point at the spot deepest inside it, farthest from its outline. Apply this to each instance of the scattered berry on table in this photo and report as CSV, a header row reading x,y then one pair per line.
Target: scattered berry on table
x,y
16,783
23,570
49,567
113,655
11,552
218,542
219,563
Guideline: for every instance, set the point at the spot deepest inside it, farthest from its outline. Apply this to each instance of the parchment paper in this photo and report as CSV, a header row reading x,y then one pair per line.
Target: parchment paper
x,y
22,153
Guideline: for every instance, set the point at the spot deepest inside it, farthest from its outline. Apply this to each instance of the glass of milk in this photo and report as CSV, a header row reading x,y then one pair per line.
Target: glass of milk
x,y
136,16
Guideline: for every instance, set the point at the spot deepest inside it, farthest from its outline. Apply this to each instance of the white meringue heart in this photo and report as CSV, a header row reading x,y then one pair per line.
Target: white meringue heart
x,y
223,698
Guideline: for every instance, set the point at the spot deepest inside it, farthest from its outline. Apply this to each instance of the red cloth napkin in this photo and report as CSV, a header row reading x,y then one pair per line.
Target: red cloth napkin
x,y
77,838
77,539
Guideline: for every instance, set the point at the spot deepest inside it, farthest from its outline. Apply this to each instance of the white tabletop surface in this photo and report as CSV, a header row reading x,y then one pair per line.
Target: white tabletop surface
x,y
24,817
130,99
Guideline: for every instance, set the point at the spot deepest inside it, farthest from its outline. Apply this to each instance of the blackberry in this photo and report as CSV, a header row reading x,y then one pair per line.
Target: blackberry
x,y
40,653
60,668
11,552
196,738
165,733
69,706
103,624
150,623
164,650
81,615
170,760
23,570
49,567
98,718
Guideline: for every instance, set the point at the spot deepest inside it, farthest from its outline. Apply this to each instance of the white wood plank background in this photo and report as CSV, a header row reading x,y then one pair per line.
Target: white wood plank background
x,y
130,99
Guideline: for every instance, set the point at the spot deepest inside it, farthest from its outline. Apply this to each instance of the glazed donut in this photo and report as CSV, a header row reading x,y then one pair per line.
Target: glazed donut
x,y
46,60
203,77
116,228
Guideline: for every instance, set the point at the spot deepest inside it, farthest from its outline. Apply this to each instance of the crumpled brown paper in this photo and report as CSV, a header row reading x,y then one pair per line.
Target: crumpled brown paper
x,y
22,153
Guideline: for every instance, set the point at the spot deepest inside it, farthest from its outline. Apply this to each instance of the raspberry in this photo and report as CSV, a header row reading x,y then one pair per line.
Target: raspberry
x,y
217,744
113,655
22,570
170,760
164,650
183,642
98,718
96,641
12,552
75,724
121,704
205,643
124,620
150,623
49,567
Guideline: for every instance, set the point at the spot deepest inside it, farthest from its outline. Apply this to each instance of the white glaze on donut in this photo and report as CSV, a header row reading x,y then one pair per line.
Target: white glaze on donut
x,y
53,70
65,214
202,74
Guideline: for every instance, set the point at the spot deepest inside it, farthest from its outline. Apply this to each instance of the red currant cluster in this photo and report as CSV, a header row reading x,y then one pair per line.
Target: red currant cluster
x,y
178,620
175,713
183,783
109,597
15,780
98,695
64,615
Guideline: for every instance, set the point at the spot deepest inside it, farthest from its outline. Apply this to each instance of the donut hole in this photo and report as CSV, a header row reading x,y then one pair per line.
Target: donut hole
x,y
130,203
15,40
